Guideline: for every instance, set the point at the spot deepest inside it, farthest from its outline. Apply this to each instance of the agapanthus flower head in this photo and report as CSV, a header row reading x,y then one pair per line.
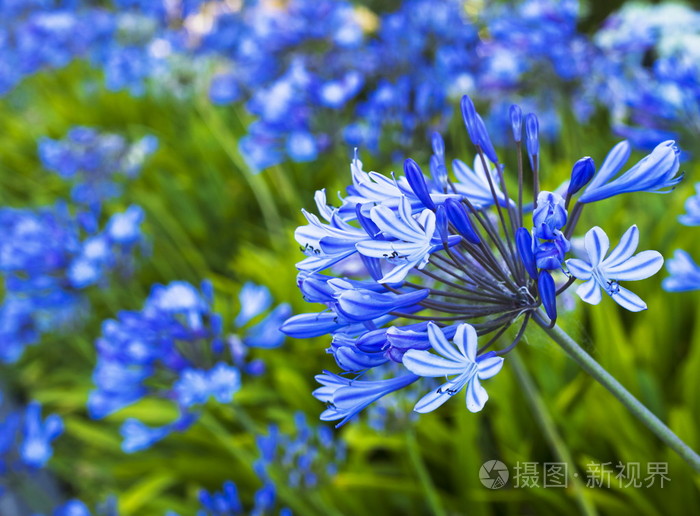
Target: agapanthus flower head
x,y
93,161
48,257
646,71
446,257
177,348
307,457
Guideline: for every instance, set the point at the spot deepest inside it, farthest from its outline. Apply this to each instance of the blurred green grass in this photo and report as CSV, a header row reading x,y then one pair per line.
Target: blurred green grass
x,y
210,217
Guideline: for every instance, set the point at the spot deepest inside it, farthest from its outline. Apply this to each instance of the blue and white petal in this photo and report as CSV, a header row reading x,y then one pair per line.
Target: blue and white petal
x,y
579,269
625,249
426,364
597,245
628,300
639,267
476,395
590,292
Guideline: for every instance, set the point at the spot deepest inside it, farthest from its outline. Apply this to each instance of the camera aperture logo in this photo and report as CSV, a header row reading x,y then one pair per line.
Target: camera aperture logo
x,y
493,474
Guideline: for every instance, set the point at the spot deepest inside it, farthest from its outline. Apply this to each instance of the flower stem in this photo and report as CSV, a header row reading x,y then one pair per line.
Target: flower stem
x,y
431,494
588,363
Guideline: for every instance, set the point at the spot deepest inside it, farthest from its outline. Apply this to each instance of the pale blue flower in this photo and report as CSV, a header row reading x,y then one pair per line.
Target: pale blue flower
x,y
413,239
254,299
459,361
692,208
604,273
655,172
685,273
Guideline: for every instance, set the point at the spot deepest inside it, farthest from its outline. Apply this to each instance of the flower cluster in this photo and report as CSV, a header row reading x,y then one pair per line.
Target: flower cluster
x,y
93,161
421,56
446,258
176,348
47,258
298,65
306,457
25,439
300,458
646,71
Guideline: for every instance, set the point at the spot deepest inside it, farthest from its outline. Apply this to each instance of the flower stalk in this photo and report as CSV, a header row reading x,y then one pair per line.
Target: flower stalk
x,y
589,364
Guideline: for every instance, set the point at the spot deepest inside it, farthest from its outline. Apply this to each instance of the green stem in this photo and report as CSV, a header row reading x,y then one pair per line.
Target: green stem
x,y
544,420
642,413
423,475
258,187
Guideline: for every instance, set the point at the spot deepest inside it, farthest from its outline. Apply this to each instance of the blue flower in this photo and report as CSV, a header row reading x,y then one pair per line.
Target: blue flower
x,y
604,273
254,299
653,173
461,361
138,436
549,216
176,348
223,503
345,397
24,435
306,455
692,208
76,507
684,273
93,161
72,508
36,447
423,250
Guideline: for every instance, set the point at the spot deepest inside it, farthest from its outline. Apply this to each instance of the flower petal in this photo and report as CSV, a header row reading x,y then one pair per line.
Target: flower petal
x,y
597,245
629,300
476,395
440,343
489,366
437,397
466,340
590,292
639,267
612,164
399,273
625,249
579,269
431,401
424,363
